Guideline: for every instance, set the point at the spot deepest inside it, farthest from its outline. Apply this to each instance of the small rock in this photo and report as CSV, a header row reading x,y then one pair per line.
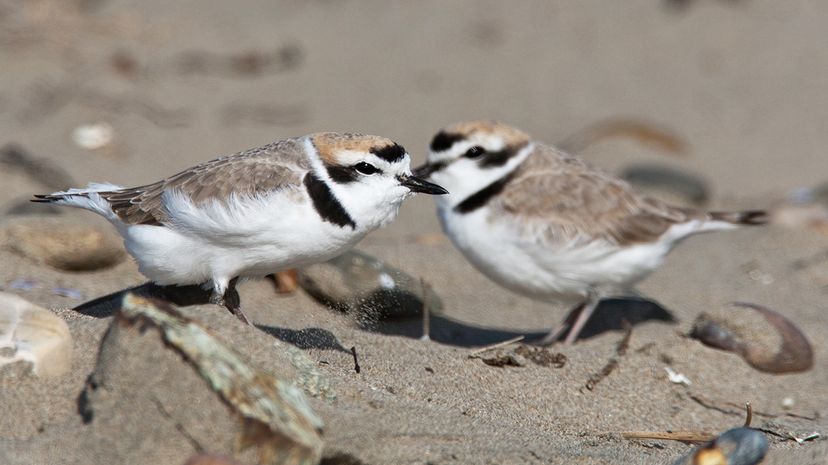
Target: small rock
x,y
35,335
24,284
67,292
502,358
367,288
170,388
542,356
738,446
765,339
285,281
63,243
93,136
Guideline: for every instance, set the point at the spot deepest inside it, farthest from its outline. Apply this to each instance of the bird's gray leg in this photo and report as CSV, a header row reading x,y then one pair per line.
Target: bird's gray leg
x,y
555,333
583,316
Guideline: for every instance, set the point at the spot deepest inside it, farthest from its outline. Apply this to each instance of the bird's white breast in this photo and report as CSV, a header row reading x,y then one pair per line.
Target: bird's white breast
x,y
240,237
520,259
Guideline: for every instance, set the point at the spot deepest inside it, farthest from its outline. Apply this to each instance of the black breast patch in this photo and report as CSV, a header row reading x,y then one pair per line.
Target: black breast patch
x,y
325,203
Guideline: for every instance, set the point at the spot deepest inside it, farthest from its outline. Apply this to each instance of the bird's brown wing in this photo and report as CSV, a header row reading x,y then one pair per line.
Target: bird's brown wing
x,y
566,199
260,170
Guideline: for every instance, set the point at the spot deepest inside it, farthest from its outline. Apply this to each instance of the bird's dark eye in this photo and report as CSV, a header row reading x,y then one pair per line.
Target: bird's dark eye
x,y
366,168
474,152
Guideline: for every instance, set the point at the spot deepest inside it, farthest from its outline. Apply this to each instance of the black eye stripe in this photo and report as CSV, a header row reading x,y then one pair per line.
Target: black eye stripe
x,y
443,141
499,158
342,174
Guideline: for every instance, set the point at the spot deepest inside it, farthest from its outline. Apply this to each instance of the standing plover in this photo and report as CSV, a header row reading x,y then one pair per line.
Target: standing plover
x,y
545,224
284,205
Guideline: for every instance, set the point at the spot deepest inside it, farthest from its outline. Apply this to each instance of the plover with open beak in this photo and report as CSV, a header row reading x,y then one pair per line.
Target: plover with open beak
x,y
284,205
545,224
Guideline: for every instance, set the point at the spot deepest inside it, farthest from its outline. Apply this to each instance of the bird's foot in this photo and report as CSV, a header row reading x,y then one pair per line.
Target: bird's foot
x,y
239,314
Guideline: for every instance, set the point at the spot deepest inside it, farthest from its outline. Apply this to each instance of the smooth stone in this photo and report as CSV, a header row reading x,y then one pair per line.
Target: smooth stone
x,y
63,243
367,288
765,339
737,446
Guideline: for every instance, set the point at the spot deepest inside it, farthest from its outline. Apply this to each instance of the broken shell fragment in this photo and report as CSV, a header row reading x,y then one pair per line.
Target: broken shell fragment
x,y
367,288
33,334
738,446
792,353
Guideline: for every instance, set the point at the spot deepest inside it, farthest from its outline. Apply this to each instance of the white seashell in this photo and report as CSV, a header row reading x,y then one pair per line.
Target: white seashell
x,y
93,136
33,334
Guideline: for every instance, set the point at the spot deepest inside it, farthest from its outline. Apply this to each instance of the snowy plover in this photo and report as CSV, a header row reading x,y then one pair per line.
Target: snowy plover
x,y
545,224
284,205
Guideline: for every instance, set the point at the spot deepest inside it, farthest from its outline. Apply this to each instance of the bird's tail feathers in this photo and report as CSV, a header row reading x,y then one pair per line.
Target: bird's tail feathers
x,y
747,217
86,198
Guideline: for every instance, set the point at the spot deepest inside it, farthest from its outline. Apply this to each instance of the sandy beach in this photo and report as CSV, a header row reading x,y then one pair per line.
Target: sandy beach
x,y
741,83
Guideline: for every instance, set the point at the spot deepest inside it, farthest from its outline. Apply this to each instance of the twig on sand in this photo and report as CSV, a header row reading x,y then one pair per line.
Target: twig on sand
x,y
356,362
612,363
683,436
426,312
624,343
498,345
732,408
748,414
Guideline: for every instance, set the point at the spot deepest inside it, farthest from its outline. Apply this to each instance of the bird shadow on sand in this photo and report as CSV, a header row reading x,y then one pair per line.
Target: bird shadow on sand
x,y
107,305
308,338
609,316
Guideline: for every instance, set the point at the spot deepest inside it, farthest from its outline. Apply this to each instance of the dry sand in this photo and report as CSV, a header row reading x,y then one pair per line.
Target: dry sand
x,y
742,82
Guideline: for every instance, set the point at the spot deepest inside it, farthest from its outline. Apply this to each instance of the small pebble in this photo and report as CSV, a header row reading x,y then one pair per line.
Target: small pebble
x,y
765,339
677,378
367,288
23,284
738,446
67,292
93,136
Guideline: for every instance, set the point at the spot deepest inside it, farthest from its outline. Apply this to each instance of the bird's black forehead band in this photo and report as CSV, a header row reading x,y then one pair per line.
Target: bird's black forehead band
x,y
444,140
390,153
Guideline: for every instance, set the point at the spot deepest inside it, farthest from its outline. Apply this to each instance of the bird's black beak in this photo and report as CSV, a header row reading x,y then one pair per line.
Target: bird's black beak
x,y
418,185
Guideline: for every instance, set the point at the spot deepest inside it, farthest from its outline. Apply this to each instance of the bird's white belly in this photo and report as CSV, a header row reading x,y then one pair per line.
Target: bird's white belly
x,y
254,241
532,267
